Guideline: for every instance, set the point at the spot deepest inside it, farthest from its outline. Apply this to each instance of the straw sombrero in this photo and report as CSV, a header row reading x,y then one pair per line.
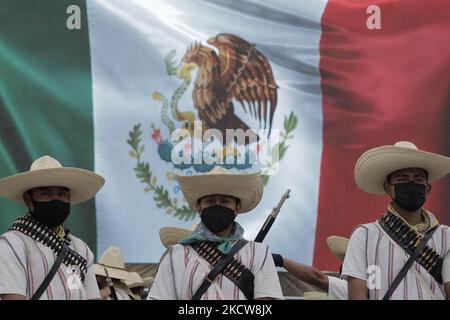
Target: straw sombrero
x,y
248,187
136,280
139,281
375,165
148,281
45,172
112,260
170,235
338,246
315,295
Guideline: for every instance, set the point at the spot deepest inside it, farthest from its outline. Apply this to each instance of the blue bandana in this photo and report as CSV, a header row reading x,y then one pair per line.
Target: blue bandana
x,y
202,233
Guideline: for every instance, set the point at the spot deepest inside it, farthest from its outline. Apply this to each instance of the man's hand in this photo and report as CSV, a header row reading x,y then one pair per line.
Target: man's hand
x,y
307,274
105,293
278,260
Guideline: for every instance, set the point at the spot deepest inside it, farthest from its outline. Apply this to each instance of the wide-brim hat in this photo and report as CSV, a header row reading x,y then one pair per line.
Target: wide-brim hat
x,y
338,246
112,260
247,187
47,171
170,236
148,281
373,167
136,280
315,295
139,281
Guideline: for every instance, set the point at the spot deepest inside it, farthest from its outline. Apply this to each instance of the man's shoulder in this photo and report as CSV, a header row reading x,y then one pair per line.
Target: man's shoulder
x,y
10,234
15,243
442,233
257,246
14,238
177,250
181,249
80,246
365,227
75,239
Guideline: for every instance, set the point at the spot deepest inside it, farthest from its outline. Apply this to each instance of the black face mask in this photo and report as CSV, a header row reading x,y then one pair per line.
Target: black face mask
x,y
410,196
50,213
217,218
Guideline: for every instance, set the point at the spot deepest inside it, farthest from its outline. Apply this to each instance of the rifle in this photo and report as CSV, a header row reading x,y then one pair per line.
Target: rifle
x,y
271,218
111,285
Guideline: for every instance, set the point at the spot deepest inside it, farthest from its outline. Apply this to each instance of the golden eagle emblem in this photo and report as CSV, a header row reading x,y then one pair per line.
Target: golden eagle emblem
x,y
239,73
231,71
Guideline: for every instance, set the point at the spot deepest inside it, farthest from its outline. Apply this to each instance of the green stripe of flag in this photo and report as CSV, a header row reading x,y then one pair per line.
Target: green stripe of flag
x,y
45,97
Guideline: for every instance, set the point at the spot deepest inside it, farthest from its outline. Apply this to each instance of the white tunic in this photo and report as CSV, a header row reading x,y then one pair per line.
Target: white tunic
x,y
180,274
121,295
337,289
373,257
25,263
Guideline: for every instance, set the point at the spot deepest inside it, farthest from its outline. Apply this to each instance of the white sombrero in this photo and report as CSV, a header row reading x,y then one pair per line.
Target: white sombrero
x,y
46,172
148,281
375,165
136,280
315,295
170,236
112,260
139,281
338,246
248,188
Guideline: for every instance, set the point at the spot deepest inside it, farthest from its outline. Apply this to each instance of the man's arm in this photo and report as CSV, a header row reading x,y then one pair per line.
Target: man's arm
x,y
13,275
446,273
12,297
266,282
307,274
357,289
163,287
354,268
447,290
90,281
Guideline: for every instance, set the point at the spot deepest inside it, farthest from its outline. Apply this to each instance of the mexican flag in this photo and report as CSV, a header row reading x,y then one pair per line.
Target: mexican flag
x,y
102,85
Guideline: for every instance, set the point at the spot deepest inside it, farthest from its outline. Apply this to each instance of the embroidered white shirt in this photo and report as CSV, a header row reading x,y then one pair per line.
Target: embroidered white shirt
x,y
180,274
372,257
25,263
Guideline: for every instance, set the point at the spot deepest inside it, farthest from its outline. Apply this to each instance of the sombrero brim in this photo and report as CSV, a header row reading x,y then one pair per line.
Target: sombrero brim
x,y
136,282
114,273
83,184
338,246
248,188
375,165
313,295
170,235
146,282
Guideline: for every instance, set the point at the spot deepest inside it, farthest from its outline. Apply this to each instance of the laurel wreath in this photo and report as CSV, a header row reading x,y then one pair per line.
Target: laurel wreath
x,y
279,150
146,176
161,195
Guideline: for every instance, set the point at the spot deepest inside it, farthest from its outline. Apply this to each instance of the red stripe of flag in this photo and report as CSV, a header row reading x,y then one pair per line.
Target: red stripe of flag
x,y
379,87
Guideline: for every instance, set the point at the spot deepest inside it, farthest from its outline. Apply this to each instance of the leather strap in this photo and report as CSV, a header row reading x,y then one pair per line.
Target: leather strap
x,y
408,239
409,263
49,277
223,262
